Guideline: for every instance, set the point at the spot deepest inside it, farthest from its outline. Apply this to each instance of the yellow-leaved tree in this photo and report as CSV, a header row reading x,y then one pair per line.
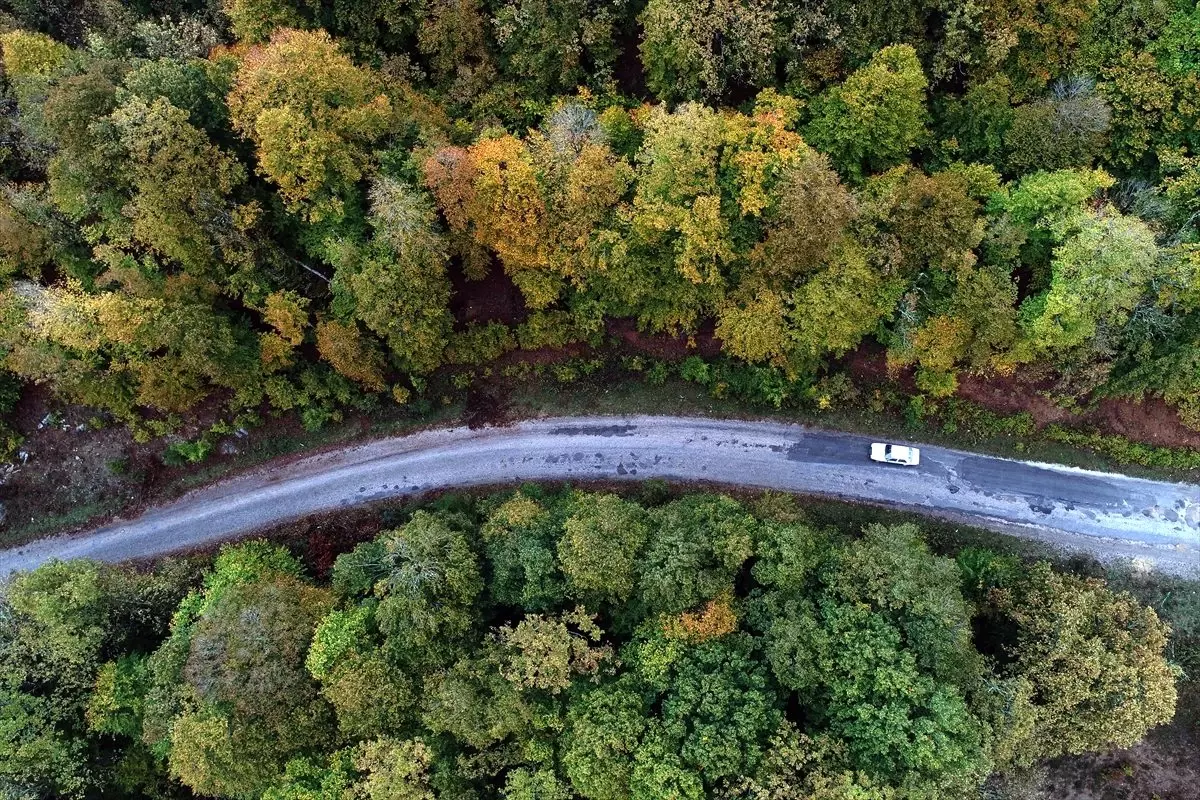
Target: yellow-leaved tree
x,y
313,116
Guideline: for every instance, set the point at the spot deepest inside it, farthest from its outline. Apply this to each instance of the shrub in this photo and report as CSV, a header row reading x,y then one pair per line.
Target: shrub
x,y
1125,451
180,453
657,374
958,415
764,386
546,329
479,344
10,443
694,369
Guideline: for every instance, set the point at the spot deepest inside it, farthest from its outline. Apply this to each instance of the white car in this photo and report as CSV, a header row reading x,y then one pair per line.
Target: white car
x,y
895,454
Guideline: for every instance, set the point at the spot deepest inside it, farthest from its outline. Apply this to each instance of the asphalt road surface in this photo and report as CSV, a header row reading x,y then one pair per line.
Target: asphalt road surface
x,y
1110,516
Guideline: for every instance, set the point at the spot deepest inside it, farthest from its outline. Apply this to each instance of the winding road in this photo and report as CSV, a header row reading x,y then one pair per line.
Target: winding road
x,y
1110,516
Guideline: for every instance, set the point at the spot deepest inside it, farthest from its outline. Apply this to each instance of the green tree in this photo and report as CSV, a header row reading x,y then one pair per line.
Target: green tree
x,y
117,351
1068,129
974,328
256,705
671,270
923,224
181,206
876,117
1154,111
454,39
837,306
753,329
699,545
553,46
431,580
1047,199
352,353
196,86
28,54
1034,43
891,570
32,61
397,284
314,779
799,767
524,784
250,626
1159,353
85,175
806,225
697,49
370,696
33,237
707,185
603,727
901,727
826,667
1094,662
972,127
1099,274
720,708
116,705
520,538
395,770
374,26
547,653
473,702
1028,219
787,555
341,634
660,772
71,643
255,20
599,548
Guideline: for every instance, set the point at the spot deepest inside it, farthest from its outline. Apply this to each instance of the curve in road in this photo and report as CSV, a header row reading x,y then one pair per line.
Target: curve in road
x,y
1104,514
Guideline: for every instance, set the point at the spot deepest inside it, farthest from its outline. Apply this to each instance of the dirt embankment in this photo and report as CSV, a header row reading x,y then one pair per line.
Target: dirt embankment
x,y
1151,421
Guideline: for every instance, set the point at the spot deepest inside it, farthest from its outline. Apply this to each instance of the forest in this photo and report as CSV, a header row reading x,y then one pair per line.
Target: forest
x,y
550,643
218,210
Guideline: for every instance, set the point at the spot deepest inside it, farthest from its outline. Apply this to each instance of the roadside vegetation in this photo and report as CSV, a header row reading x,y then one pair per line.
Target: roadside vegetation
x,y
556,643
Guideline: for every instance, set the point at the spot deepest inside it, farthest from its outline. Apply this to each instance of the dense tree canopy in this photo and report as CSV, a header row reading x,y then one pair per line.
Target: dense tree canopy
x,y
485,651
211,209
312,116
180,180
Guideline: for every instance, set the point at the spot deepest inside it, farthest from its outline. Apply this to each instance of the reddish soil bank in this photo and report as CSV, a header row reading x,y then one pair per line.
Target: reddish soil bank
x,y
1151,421
495,298
660,345
1162,767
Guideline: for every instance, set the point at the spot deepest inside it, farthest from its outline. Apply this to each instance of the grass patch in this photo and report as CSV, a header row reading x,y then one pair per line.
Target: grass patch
x,y
262,449
50,524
